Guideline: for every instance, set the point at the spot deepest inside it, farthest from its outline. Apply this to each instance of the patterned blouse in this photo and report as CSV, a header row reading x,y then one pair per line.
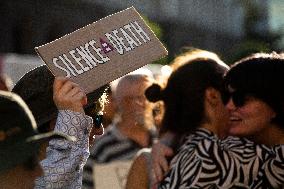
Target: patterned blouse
x,y
204,161
63,166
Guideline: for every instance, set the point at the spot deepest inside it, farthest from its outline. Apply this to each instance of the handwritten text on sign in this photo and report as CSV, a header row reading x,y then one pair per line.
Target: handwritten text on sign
x,y
89,55
104,50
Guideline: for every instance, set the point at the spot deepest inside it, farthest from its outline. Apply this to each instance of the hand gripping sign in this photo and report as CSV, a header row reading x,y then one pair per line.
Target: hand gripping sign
x,y
104,50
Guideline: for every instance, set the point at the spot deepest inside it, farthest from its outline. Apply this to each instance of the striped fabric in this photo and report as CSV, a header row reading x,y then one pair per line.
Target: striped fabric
x,y
204,161
111,146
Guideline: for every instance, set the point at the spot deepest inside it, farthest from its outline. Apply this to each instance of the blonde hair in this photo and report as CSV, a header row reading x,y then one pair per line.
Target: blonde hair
x,y
195,54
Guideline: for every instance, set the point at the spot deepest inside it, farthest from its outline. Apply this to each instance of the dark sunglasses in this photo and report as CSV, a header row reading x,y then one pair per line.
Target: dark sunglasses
x,y
98,120
239,98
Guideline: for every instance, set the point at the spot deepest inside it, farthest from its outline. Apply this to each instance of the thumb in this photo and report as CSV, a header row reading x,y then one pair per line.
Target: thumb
x,y
84,101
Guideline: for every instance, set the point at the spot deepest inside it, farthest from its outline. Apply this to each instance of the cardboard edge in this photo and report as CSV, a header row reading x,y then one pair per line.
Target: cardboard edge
x,y
66,35
38,53
162,45
165,51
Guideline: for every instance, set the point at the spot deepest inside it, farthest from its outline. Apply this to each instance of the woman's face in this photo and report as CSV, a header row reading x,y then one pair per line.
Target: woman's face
x,y
248,116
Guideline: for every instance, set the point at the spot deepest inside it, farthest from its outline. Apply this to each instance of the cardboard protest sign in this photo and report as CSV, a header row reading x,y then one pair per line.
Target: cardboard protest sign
x,y
104,50
112,175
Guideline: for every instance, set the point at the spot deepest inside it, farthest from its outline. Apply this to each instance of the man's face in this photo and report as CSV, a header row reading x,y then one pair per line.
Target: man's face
x,y
133,102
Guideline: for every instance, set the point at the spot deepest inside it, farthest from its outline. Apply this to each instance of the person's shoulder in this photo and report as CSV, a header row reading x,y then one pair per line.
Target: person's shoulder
x,y
144,155
103,141
144,152
198,137
240,142
243,147
141,159
109,132
200,134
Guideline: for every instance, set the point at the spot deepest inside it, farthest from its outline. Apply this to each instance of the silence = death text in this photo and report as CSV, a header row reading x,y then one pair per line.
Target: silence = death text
x,y
87,56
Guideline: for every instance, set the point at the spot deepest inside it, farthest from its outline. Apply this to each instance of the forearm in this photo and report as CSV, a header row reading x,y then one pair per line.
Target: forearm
x,y
64,162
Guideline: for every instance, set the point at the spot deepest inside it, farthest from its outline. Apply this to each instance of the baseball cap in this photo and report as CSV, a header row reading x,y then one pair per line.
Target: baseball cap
x,y
19,138
36,89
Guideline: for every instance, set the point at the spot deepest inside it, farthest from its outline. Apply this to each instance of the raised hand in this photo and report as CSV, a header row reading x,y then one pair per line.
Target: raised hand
x,y
67,95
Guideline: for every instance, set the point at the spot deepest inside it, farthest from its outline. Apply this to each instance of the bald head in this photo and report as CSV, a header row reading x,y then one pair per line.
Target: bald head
x,y
130,100
132,85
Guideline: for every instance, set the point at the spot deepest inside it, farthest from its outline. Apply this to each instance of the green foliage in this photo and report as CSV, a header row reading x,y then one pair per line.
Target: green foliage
x,y
158,31
248,47
154,27
255,40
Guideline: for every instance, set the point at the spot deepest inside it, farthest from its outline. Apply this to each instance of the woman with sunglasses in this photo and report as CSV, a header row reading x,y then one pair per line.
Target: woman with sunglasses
x,y
257,104
256,110
194,109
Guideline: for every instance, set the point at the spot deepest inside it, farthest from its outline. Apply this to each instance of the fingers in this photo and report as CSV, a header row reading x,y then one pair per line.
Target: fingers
x,y
58,83
76,93
72,91
157,171
164,166
81,98
168,151
68,86
68,95
160,154
84,101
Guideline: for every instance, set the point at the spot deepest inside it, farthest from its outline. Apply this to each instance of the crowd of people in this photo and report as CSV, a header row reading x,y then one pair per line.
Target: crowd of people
x,y
206,125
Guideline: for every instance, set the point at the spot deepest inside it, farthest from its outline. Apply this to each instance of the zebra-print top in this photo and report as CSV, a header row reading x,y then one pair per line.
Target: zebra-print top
x,y
204,161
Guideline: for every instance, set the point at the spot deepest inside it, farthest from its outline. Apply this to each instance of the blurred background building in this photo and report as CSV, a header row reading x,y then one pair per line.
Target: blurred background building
x,y
231,28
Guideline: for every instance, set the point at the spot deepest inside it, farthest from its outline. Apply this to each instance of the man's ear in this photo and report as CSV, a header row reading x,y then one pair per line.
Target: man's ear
x,y
212,96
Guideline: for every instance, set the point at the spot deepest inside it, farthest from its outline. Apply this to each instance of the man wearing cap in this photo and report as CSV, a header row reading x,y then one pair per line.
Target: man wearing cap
x,y
65,100
19,143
